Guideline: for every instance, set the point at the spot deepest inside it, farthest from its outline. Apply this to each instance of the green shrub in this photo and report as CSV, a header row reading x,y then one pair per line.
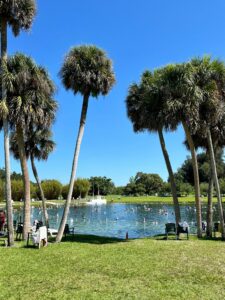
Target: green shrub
x,y
81,188
51,188
17,190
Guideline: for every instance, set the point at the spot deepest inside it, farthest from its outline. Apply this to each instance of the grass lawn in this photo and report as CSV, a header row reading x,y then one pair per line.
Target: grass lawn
x,y
88,267
151,199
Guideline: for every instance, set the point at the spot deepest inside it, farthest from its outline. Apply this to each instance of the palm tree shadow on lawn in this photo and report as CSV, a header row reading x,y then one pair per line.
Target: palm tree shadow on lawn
x,y
92,239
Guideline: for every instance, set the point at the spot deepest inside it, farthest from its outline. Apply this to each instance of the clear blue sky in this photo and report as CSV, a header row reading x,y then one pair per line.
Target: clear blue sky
x,y
137,35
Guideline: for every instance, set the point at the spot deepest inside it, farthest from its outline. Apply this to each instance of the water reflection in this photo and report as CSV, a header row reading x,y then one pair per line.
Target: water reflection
x,y
114,220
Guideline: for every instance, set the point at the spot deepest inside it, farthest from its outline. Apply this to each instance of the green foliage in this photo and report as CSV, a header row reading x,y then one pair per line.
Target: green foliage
x,y
143,184
101,185
31,88
51,188
80,189
87,70
14,175
222,186
166,189
204,188
118,190
184,189
18,190
18,13
185,172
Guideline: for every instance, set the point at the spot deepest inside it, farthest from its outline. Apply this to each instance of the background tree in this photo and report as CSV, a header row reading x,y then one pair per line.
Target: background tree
x,y
88,71
80,189
17,14
52,189
101,185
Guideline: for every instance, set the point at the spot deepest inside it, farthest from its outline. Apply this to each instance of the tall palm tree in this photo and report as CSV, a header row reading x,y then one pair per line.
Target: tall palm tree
x,y
145,109
17,14
210,77
30,101
38,145
182,106
88,71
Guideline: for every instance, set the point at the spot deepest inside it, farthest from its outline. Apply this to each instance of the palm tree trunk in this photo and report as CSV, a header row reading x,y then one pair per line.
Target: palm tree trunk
x,y
171,176
6,137
74,167
45,213
26,181
209,217
196,179
216,182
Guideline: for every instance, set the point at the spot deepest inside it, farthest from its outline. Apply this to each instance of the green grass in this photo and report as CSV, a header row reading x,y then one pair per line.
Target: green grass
x,y
152,199
89,267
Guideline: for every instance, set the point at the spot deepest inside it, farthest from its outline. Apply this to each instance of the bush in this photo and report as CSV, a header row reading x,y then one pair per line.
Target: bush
x,y
17,190
81,188
51,188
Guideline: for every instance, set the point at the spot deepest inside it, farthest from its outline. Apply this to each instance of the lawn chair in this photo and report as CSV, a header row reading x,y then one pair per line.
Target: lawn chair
x,y
216,228
39,237
170,229
182,228
19,231
68,230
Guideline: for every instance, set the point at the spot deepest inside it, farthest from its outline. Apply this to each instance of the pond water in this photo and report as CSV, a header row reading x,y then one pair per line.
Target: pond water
x,y
114,220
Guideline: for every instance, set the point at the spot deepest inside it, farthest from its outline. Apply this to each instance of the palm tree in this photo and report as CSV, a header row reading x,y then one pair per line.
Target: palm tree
x,y
30,101
182,106
86,70
17,14
210,77
38,145
145,109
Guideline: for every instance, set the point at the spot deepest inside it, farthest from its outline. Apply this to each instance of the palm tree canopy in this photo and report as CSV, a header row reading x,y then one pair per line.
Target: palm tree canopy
x,y
30,93
18,13
87,70
145,103
210,78
38,143
182,95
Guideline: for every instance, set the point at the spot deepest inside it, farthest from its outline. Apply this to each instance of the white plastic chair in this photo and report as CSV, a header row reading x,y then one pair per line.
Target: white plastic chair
x,y
40,236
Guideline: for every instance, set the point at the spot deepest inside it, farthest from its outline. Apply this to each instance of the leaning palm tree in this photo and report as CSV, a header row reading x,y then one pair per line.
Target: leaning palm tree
x,y
30,101
17,14
145,109
38,145
88,71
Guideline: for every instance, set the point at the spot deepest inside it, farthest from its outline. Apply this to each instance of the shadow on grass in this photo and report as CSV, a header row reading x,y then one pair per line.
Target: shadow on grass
x,y
162,237
92,239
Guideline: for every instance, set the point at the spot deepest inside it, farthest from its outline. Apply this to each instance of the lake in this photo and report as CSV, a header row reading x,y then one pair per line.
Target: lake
x,y
114,220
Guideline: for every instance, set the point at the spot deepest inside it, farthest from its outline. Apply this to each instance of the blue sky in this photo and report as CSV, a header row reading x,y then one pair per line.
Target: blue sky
x,y
137,35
